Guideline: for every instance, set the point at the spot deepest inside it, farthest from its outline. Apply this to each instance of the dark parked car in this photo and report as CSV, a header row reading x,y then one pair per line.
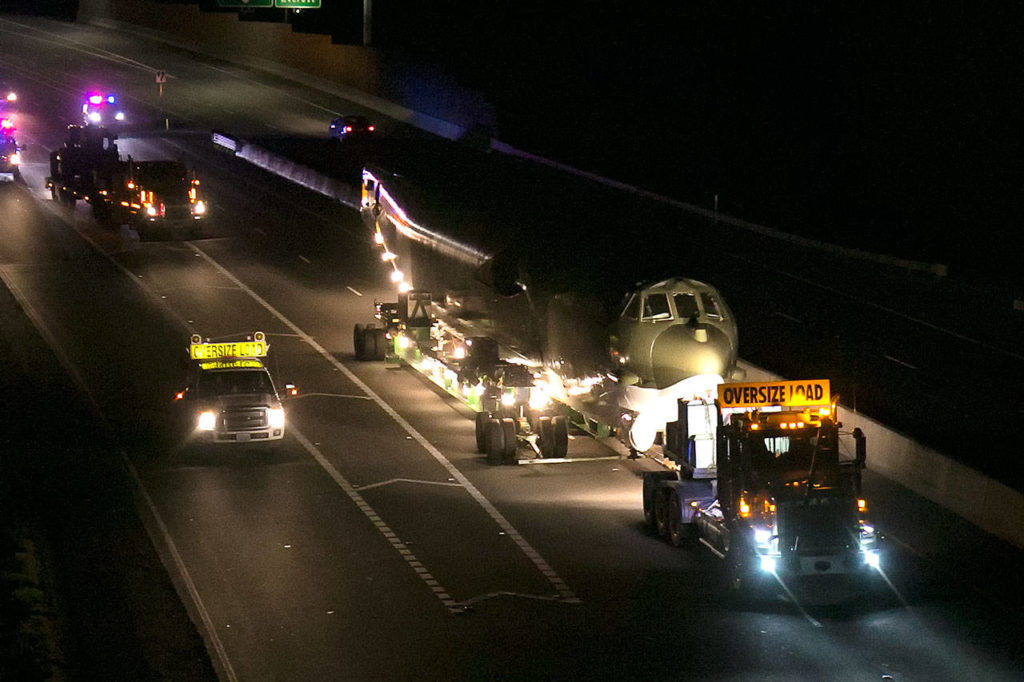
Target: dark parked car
x,y
345,127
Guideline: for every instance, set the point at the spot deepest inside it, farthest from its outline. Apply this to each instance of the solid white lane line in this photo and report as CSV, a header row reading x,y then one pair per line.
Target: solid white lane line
x,y
375,519
220,653
556,581
331,395
354,291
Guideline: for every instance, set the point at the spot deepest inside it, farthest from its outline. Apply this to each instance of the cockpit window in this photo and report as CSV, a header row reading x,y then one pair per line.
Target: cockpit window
x,y
710,305
686,305
632,309
656,307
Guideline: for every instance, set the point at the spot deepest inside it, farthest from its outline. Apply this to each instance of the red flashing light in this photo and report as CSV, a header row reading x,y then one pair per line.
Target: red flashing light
x,y
371,128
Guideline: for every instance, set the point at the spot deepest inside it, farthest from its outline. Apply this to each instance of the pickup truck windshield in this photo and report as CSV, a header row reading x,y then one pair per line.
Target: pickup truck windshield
x,y
233,382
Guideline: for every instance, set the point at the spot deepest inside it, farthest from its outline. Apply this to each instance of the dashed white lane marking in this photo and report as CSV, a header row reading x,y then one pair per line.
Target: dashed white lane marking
x,y
375,519
878,306
304,259
789,317
357,293
407,480
899,362
563,590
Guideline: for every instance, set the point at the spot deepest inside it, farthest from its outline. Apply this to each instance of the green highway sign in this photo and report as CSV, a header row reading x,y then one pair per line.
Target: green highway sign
x,y
245,3
283,4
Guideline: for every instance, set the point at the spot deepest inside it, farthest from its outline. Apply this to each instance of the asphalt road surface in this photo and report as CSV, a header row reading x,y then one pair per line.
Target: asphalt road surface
x,y
374,543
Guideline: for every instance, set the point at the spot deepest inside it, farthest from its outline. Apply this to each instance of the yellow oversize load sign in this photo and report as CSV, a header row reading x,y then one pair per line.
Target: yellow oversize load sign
x,y
233,349
775,393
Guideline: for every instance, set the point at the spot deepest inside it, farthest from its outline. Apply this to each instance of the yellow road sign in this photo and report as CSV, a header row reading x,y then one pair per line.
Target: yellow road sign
x,y
775,393
233,349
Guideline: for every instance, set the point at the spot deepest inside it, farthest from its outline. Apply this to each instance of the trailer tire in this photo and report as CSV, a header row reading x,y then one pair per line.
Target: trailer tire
x,y
102,214
547,437
650,490
560,433
661,512
495,441
679,533
374,345
359,341
481,431
508,427
377,343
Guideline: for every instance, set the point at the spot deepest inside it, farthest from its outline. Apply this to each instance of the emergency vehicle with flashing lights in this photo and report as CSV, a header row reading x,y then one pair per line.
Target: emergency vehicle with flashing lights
x,y
10,154
101,108
766,479
230,396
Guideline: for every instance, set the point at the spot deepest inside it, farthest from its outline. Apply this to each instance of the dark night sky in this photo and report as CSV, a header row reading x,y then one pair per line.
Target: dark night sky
x,y
859,123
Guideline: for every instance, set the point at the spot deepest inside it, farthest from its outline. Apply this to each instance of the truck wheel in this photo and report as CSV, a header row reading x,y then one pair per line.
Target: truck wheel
x,y
481,431
359,341
67,198
661,513
508,426
495,441
679,533
101,212
53,192
560,433
376,343
547,437
650,491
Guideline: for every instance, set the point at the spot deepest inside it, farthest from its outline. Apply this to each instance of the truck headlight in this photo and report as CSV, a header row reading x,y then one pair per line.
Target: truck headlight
x,y
207,421
768,564
151,211
275,417
872,559
94,117
762,536
199,208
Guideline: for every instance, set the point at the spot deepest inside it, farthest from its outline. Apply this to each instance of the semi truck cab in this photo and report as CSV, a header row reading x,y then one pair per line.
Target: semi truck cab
x,y
770,484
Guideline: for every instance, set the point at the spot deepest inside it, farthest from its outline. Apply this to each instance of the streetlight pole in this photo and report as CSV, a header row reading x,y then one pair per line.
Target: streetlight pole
x,y
367,22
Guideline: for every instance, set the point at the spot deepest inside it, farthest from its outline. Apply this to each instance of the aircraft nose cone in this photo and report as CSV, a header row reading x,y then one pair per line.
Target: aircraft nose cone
x,y
678,353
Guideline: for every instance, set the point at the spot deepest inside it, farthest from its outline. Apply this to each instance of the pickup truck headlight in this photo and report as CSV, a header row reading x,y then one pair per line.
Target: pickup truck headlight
x,y
207,421
275,417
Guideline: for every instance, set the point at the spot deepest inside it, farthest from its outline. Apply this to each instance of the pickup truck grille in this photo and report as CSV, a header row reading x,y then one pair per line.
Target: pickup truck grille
x,y
244,419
